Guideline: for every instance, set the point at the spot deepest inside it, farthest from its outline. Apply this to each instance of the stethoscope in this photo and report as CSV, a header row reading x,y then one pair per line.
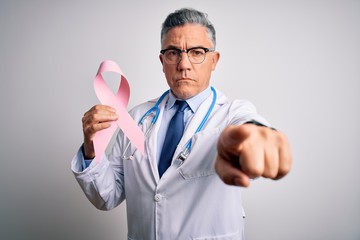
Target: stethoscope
x,y
155,111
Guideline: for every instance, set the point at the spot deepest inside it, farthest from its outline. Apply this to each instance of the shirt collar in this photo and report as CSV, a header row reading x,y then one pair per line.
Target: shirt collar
x,y
193,102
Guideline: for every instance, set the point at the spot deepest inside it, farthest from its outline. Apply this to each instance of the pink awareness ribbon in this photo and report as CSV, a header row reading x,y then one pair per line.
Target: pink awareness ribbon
x,y
119,101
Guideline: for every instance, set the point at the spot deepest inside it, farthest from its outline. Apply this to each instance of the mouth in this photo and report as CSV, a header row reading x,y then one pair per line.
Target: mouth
x,y
183,79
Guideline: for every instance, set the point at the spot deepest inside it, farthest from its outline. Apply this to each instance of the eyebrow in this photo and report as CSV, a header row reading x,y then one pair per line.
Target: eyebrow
x,y
172,46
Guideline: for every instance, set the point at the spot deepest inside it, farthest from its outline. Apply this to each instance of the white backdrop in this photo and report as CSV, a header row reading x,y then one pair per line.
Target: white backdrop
x,y
297,61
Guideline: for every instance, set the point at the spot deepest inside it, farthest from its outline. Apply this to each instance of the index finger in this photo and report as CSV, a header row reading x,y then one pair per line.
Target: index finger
x,y
232,137
103,107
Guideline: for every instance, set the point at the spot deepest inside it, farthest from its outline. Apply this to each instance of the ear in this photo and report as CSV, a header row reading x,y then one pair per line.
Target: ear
x,y
161,59
215,59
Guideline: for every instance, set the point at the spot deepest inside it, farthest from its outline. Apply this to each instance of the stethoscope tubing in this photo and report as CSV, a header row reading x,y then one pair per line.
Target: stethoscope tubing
x,y
156,109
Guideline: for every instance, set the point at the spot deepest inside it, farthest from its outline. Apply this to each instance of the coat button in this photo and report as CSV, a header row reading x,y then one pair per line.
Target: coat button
x,y
157,198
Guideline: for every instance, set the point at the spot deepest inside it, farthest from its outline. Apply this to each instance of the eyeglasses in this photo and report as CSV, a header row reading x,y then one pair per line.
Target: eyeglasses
x,y
195,55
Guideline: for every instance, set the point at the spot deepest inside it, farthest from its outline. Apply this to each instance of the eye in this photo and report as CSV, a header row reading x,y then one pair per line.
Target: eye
x,y
172,53
197,52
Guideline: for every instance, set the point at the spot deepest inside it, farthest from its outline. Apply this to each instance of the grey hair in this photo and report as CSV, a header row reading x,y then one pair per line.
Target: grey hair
x,y
188,15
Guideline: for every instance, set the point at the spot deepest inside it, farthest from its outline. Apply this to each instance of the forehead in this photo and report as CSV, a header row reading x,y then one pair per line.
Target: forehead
x,y
186,36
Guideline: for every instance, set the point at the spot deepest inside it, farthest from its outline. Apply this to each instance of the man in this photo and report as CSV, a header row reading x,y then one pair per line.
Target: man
x,y
184,197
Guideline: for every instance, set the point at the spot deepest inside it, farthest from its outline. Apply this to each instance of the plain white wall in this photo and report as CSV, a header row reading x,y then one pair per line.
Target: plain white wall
x,y
297,61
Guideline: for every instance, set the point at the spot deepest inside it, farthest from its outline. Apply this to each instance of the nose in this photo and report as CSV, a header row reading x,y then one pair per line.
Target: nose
x,y
184,63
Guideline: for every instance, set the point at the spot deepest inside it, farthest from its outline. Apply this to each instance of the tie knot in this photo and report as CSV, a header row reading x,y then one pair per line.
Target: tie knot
x,y
182,105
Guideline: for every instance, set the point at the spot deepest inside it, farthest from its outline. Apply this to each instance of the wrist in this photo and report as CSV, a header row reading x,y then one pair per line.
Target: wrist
x,y
258,124
88,150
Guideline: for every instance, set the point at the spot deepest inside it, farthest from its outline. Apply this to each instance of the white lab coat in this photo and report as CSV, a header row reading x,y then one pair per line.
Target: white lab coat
x,y
190,201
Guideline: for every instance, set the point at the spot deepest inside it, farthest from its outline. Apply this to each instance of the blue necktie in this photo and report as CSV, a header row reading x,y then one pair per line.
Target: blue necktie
x,y
172,138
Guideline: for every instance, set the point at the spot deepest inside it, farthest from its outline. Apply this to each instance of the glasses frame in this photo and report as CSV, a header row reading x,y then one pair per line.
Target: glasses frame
x,y
163,51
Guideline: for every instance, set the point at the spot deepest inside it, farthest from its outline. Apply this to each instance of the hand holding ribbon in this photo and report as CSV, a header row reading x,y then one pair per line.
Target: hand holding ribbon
x,y
119,102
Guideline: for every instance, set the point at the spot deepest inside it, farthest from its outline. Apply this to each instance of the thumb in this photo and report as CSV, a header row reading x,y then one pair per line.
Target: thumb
x,y
229,174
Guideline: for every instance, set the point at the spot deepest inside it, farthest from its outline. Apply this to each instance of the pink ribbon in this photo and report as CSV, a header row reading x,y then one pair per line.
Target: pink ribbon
x,y
119,101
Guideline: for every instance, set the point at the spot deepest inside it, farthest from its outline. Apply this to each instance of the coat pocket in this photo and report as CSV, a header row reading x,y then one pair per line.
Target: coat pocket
x,y
200,162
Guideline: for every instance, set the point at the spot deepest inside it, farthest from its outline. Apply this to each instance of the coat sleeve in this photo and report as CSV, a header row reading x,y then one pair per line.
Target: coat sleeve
x,y
242,111
103,181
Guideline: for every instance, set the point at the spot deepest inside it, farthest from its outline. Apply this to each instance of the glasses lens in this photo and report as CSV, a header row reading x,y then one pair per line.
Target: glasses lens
x,y
172,56
197,55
